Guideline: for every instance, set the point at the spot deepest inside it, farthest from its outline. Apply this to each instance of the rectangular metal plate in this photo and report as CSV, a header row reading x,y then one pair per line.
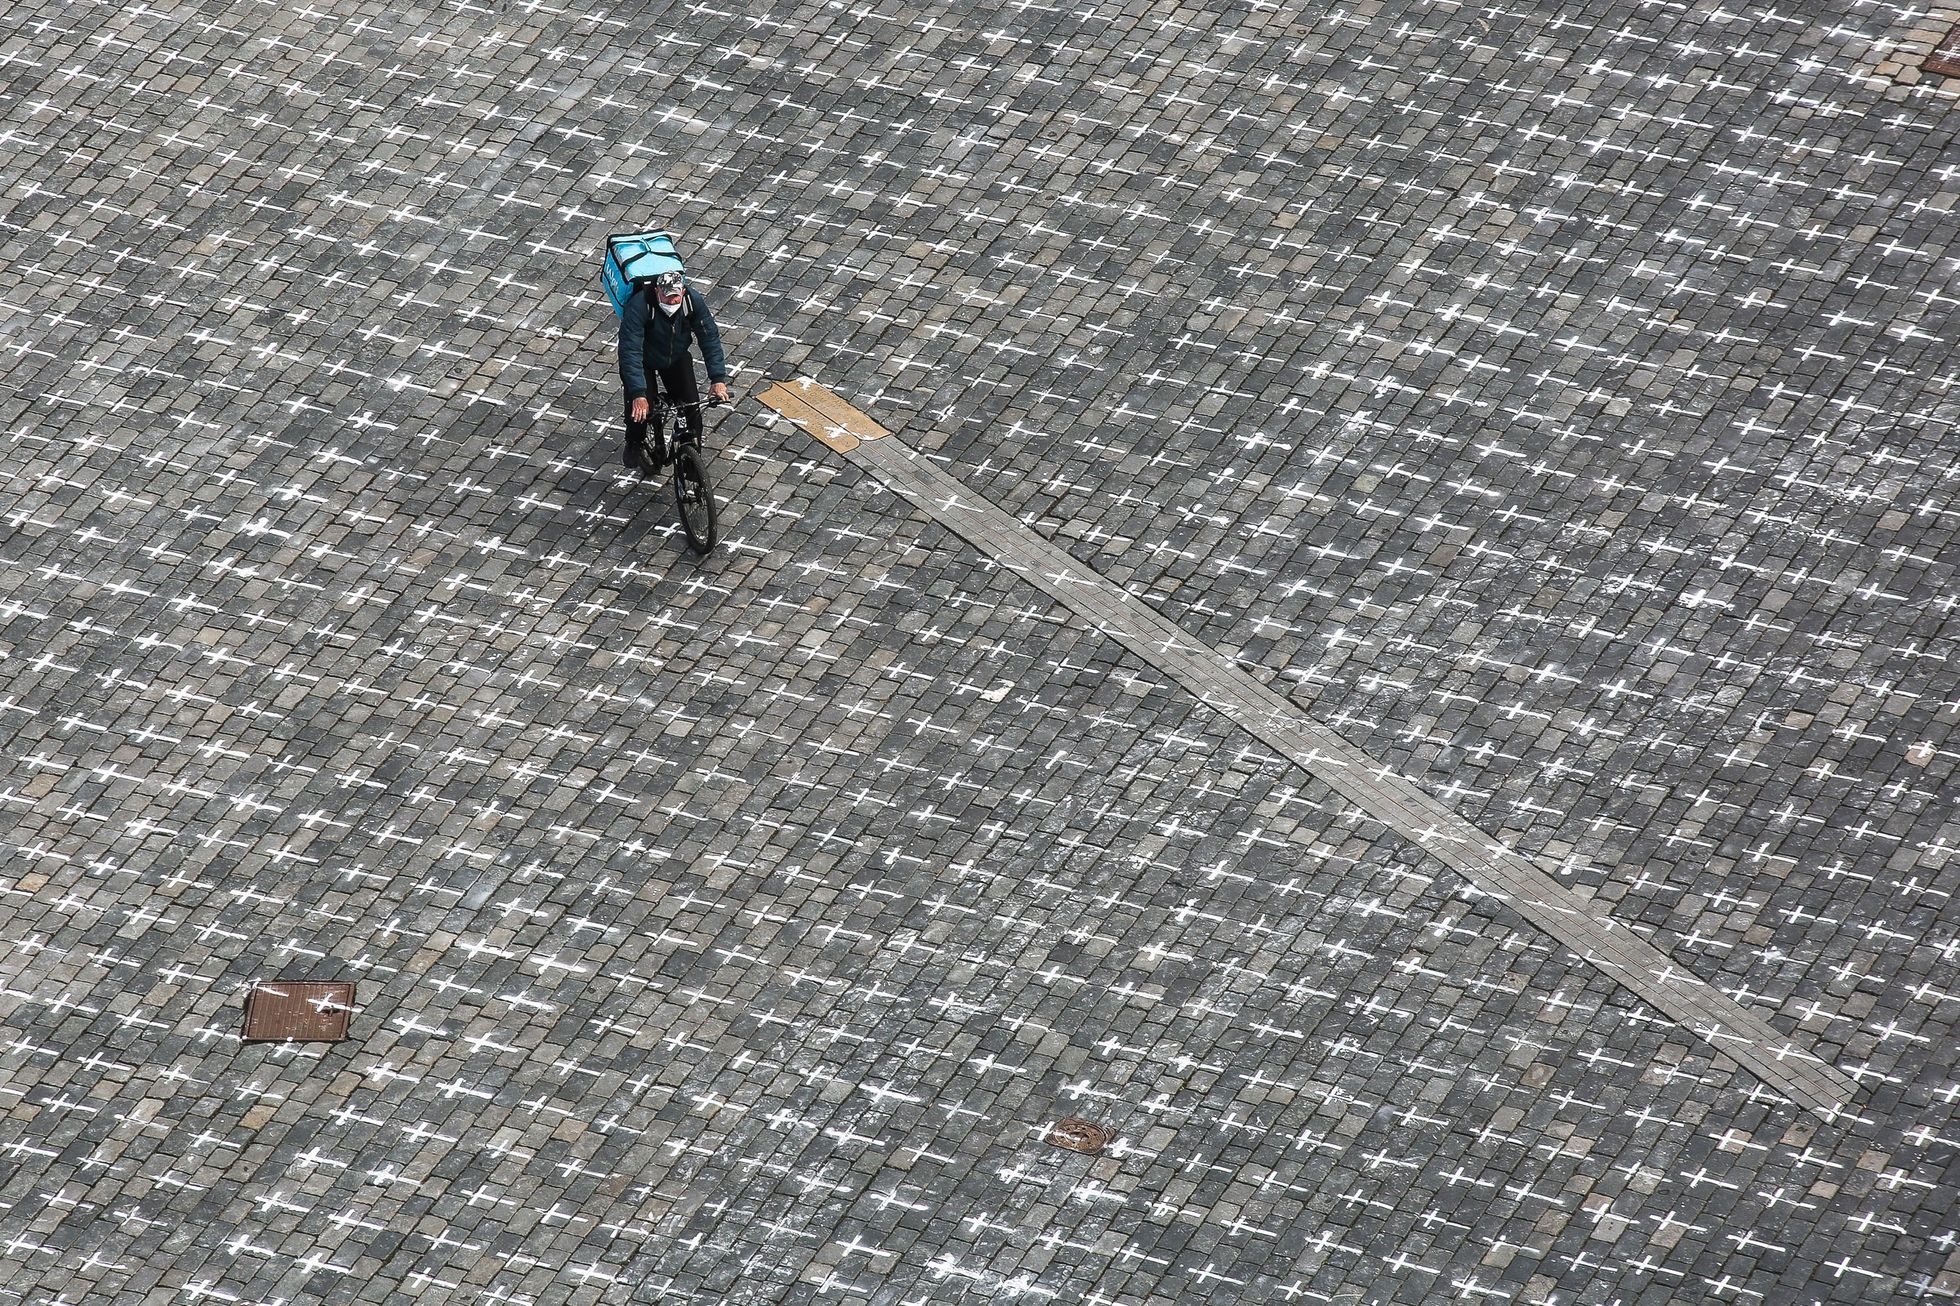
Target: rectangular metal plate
x,y
308,1010
1945,58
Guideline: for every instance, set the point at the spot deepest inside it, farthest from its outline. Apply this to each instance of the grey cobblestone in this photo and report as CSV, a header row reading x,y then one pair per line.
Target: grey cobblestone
x,y
1565,420
1488,866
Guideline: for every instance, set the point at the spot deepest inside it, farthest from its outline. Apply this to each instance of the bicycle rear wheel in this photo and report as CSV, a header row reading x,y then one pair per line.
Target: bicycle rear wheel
x,y
694,498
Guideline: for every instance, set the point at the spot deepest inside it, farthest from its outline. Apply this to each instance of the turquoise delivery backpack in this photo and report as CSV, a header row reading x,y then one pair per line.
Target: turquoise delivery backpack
x,y
636,258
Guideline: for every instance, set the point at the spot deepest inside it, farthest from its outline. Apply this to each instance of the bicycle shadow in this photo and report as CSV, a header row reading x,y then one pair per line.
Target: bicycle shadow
x,y
579,500
604,509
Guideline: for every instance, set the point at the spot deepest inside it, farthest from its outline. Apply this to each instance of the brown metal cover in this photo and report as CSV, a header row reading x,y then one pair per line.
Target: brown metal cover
x,y
284,1011
1945,58
1080,1136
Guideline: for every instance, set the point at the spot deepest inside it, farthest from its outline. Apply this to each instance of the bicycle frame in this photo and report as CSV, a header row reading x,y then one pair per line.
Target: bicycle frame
x,y
692,493
670,419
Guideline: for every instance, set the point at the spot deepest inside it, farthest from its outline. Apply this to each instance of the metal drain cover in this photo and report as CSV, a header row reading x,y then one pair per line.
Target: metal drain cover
x,y
279,1011
1945,59
1080,1136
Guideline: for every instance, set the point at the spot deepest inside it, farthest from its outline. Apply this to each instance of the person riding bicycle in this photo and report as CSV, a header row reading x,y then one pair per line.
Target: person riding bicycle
x,y
655,328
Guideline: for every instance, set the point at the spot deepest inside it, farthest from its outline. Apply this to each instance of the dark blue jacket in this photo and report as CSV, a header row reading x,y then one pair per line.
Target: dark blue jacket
x,y
650,341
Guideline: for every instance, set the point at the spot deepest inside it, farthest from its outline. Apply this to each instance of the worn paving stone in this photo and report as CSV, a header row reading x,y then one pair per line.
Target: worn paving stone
x,y
1556,403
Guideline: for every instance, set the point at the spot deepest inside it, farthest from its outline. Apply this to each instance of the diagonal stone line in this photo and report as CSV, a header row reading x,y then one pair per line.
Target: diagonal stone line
x,y
1567,917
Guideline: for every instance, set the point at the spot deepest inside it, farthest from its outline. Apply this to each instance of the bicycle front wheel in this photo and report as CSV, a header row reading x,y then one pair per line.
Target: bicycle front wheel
x,y
694,498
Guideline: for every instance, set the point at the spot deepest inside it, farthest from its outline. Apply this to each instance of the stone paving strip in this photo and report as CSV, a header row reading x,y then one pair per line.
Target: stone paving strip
x,y
1492,868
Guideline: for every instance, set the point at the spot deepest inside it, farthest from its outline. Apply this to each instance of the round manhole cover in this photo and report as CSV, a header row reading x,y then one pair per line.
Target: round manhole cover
x,y
1081,1136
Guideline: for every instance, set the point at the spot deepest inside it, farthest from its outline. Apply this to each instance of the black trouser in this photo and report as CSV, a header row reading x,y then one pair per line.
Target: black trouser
x,y
678,384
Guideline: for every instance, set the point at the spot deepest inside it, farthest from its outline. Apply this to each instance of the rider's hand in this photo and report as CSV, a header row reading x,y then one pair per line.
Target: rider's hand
x,y
638,412
720,391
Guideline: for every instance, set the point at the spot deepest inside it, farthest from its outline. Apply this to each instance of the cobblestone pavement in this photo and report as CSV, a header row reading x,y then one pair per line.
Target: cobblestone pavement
x,y
1556,402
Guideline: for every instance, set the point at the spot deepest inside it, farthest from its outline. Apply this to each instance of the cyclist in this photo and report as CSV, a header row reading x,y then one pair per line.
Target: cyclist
x,y
655,329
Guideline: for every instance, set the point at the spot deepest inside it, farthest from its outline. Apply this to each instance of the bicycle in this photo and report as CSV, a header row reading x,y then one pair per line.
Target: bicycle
x,y
667,422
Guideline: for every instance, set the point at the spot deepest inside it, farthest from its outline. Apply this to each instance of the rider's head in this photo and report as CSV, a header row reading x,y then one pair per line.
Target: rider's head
x,y
669,291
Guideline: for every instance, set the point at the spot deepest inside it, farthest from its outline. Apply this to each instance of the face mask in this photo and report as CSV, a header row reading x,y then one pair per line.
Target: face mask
x,y
673,308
